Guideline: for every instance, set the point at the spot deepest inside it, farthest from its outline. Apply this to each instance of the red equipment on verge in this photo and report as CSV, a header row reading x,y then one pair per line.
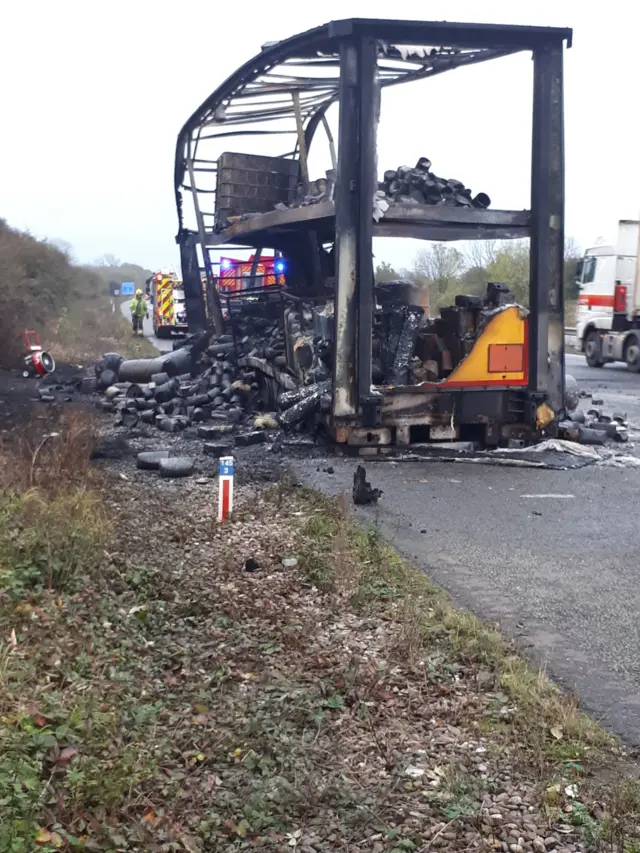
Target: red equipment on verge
x,y
39,362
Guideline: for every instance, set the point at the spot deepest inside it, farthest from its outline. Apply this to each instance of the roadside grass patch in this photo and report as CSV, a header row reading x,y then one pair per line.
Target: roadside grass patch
x,y
172,701
389,585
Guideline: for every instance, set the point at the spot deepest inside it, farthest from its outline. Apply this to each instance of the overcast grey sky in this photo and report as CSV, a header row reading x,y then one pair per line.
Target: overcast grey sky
x,y
93,95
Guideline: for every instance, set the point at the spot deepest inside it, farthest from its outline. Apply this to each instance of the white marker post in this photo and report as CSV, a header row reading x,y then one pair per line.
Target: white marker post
x,y
225,488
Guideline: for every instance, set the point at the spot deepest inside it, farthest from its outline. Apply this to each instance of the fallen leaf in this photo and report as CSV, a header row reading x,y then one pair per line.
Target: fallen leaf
x,y
201,720
66,754
242,828
43,836
557,732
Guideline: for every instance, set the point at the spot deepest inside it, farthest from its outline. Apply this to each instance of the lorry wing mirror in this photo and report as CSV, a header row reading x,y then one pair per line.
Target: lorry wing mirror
x,y
579,266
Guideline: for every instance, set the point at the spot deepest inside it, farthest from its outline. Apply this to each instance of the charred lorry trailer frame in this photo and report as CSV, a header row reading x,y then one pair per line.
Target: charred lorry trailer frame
x,y
393,380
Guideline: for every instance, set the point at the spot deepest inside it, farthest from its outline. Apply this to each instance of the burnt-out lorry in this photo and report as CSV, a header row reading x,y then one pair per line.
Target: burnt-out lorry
x,y
386,372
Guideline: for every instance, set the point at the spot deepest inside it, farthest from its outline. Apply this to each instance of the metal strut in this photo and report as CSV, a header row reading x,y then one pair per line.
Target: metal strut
x,y
355,189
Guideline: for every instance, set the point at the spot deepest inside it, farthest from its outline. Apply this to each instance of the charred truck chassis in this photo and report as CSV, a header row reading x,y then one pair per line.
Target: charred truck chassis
x,y
493,405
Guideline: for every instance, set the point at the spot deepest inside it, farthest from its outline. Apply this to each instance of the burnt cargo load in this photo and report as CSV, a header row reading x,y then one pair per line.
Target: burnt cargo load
x,y
484,369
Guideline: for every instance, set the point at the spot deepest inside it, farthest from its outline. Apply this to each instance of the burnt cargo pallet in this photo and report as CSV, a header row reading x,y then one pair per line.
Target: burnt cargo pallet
x,y
253,183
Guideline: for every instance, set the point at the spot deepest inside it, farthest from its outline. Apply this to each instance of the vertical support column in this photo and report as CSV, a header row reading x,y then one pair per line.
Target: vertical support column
x,y
347,212
214,305
191,281
354,193
546,292
367,183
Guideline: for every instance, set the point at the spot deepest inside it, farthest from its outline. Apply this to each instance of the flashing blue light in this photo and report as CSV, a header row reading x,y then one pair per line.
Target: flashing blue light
x,y
279,266
225,264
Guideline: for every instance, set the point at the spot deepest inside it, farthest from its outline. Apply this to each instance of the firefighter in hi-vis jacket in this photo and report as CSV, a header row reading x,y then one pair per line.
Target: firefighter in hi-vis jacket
x,y
139,311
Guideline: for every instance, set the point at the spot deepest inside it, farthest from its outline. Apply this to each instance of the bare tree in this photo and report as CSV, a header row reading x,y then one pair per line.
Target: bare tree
x,y
481,253
108,261
438,265
63,246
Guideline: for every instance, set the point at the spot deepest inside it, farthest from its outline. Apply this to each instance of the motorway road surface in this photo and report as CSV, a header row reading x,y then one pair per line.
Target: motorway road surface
x,y
162,344
550,556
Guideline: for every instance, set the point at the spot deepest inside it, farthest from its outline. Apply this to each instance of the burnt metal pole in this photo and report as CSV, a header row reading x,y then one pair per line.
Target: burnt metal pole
x,y
354,193
191,280
347,210
367,183
215,309
546,292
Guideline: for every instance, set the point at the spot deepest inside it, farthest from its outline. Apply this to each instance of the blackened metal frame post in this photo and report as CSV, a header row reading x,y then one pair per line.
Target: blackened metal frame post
x,y
355,188
546,292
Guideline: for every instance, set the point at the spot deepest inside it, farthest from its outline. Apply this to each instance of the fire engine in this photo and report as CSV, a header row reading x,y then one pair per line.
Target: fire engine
x,y
166,293
246,275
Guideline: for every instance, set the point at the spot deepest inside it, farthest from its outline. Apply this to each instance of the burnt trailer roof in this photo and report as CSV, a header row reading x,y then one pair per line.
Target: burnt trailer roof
x,y
259,92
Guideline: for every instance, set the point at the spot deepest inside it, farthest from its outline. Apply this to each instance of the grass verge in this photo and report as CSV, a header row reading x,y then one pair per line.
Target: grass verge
x,y
330,699
89,327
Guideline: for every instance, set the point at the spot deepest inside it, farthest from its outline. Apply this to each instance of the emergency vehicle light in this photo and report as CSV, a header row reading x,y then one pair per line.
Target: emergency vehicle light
x,y
158,276
279,266
225,264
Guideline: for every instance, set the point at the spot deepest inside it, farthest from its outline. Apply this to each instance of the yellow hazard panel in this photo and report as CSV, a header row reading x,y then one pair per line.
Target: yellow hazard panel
x,y
165,301
499,356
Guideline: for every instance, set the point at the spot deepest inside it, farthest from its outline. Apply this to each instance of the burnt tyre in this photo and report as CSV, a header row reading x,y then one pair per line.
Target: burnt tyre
x,y
632,354
593,349
150,460
178,466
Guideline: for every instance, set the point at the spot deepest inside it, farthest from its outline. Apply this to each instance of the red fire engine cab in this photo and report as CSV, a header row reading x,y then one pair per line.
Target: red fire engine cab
x,y
255,272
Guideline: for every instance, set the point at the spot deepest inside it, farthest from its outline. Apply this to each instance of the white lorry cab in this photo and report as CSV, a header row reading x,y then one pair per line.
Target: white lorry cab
x,y
608,318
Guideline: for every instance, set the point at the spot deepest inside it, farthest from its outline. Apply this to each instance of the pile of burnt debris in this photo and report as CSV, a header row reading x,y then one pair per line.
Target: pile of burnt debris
x,y
273,368
419,185
230,387
416,185
410,348
593,426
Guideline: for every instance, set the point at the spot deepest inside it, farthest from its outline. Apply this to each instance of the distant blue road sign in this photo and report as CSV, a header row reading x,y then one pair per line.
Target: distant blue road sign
x,y
128,288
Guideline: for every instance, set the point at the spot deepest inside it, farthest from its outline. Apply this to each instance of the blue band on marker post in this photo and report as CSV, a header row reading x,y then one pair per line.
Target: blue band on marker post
x,y
226,466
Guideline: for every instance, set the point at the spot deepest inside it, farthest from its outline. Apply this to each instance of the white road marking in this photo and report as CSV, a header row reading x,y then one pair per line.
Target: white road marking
x,y
547,496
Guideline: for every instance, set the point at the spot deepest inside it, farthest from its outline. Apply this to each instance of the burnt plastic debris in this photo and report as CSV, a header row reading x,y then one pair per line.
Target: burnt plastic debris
x,y
363,493
150,460
399,374
419,185
142,369
302,410
291,398
178,466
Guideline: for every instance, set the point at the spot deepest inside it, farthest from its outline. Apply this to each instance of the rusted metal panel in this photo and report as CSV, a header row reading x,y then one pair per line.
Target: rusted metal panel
x,y
506,358
447,233
369,437
266,221
420,221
